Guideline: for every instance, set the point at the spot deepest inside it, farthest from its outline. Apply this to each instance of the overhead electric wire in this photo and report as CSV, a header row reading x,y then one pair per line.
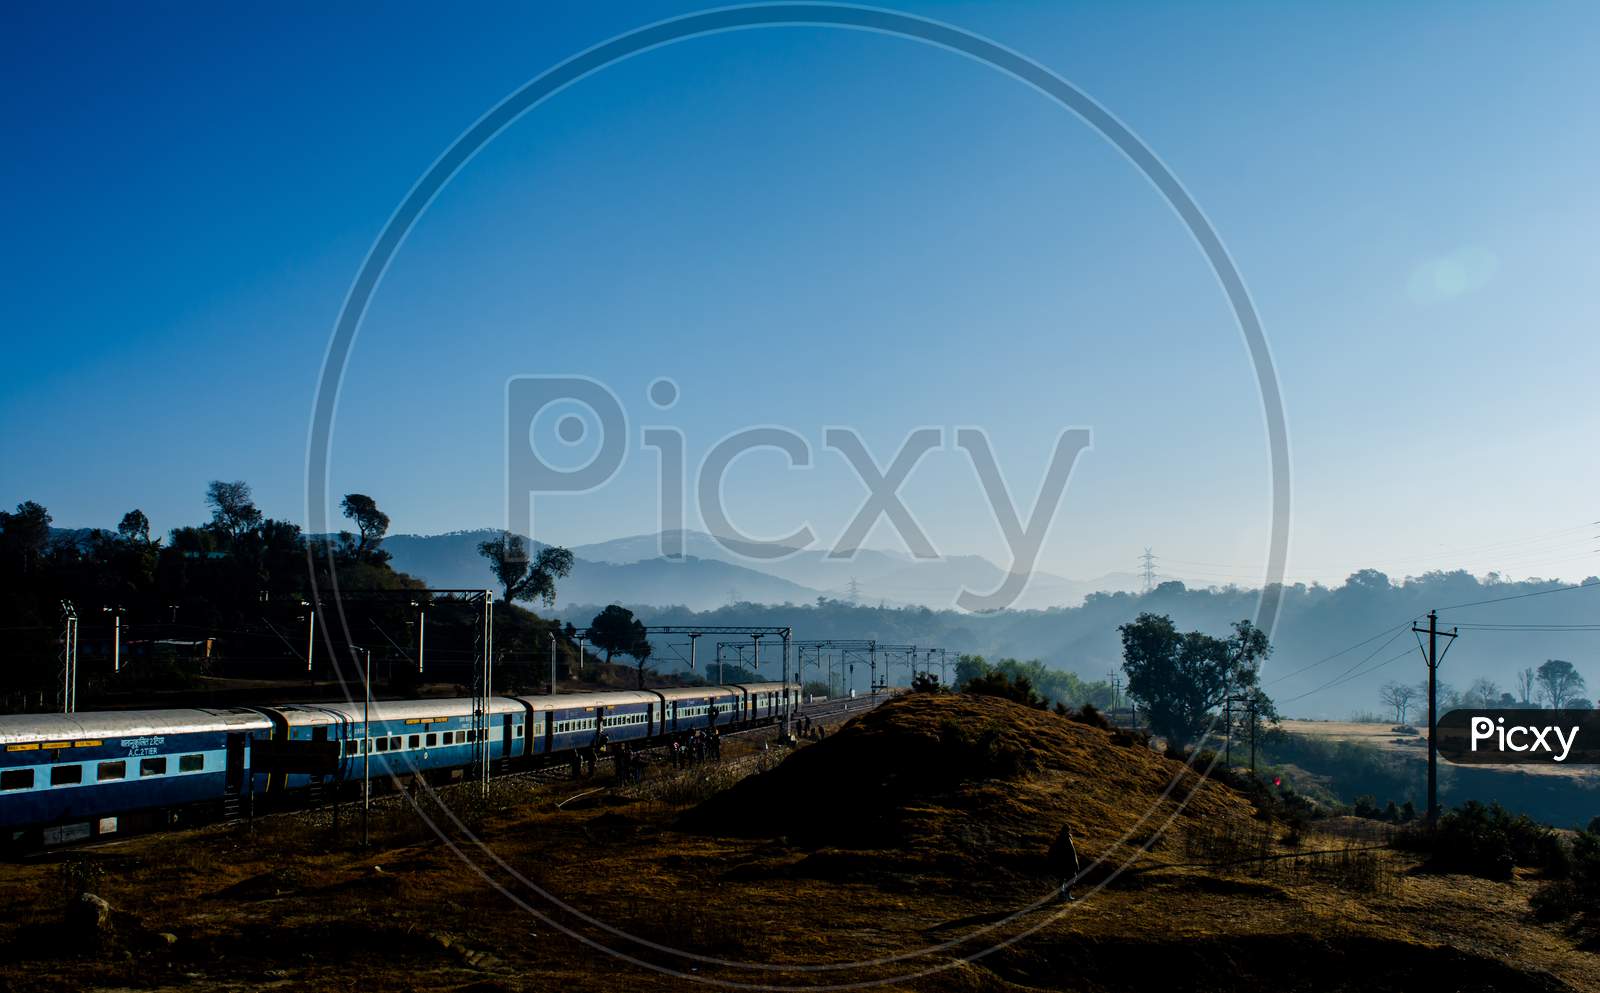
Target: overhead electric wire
x,y
1348,676
1523,596
1342,651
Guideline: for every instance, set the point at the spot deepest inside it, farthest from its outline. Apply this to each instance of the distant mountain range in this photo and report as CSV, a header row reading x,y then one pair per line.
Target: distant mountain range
x,y
710,574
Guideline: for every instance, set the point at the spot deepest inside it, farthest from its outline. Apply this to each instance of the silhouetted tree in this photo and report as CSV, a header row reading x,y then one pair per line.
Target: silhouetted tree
x,y
135,528
233,511
525,578
25,535
1399,697
1180,679
1559,682
641,651
371,525
615,630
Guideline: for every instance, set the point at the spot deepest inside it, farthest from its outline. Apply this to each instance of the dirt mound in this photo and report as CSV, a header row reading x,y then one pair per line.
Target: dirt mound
x,y
942,773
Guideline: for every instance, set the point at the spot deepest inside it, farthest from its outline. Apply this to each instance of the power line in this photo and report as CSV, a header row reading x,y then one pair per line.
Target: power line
x,y
1524,596
1353,672
1342,651
1342,679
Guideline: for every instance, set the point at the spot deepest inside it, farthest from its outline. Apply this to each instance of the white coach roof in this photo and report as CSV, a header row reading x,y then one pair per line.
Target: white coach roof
x,y
21,728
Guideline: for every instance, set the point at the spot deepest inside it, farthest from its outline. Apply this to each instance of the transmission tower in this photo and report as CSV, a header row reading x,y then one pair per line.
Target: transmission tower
x,y
854,591
1149,570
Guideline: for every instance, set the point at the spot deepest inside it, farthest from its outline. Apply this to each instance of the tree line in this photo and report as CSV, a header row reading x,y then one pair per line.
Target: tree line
x,y
238,593
1555,684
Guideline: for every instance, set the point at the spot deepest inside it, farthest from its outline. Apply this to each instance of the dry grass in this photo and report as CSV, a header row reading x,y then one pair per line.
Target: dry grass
x,y
288,907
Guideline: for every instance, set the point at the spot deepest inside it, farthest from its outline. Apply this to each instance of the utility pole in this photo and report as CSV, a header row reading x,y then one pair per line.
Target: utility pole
x,y
69,658
788,693
693,641
116,636
366,754
1227,731
552,662
422,630
1433,658
311,633
1254,701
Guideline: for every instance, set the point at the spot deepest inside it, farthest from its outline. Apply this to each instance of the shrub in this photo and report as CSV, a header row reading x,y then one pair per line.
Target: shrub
x,y
997,683
1090,714
1486,841
926,682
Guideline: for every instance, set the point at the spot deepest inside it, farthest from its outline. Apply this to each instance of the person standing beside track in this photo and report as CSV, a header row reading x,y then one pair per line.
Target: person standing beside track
x,y
1063,859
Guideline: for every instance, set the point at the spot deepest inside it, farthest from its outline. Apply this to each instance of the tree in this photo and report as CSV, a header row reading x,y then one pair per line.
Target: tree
x,y
1559,682
614,630
25,534
970,667
524,578
1398,696
1483,693
641,651
371,525
233,511
1526,682
924,682
1181,678
135,528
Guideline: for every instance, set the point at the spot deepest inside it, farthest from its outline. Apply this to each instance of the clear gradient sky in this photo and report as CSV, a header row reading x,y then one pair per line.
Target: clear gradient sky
x,y
814,227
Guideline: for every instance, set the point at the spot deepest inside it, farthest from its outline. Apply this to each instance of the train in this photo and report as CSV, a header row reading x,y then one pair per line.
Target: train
x,y
75,778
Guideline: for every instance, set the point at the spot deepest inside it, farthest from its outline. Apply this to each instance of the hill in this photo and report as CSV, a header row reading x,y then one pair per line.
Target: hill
x,y
452,560
590,885
919,770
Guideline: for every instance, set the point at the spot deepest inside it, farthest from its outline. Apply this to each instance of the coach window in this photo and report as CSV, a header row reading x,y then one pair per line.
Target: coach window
x,y
16,779
433,739
153,767
191,763
394,742
66,775
449,737
112,770
415,742
383,744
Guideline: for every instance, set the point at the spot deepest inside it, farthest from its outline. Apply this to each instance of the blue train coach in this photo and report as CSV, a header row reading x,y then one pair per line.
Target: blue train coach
x,y
75,777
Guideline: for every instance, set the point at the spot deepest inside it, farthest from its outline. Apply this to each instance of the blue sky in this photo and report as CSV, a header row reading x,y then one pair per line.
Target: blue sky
x,y
813,227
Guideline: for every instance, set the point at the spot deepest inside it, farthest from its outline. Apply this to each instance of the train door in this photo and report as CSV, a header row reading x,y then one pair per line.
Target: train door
x,y
506,749
233,774
235,766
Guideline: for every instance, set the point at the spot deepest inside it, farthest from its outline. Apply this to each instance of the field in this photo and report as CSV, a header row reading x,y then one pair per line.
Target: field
x,y
1413,746
906,850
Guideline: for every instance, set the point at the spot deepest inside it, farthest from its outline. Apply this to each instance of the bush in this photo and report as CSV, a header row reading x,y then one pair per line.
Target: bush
x,y
1090,714
926,682
997,683
1486,841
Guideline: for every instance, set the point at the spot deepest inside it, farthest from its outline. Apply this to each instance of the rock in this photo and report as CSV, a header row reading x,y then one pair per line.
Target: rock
x,y
167,938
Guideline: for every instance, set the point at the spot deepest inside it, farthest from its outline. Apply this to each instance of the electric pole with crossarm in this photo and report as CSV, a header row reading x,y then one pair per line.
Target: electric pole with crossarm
x,y
1434,658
